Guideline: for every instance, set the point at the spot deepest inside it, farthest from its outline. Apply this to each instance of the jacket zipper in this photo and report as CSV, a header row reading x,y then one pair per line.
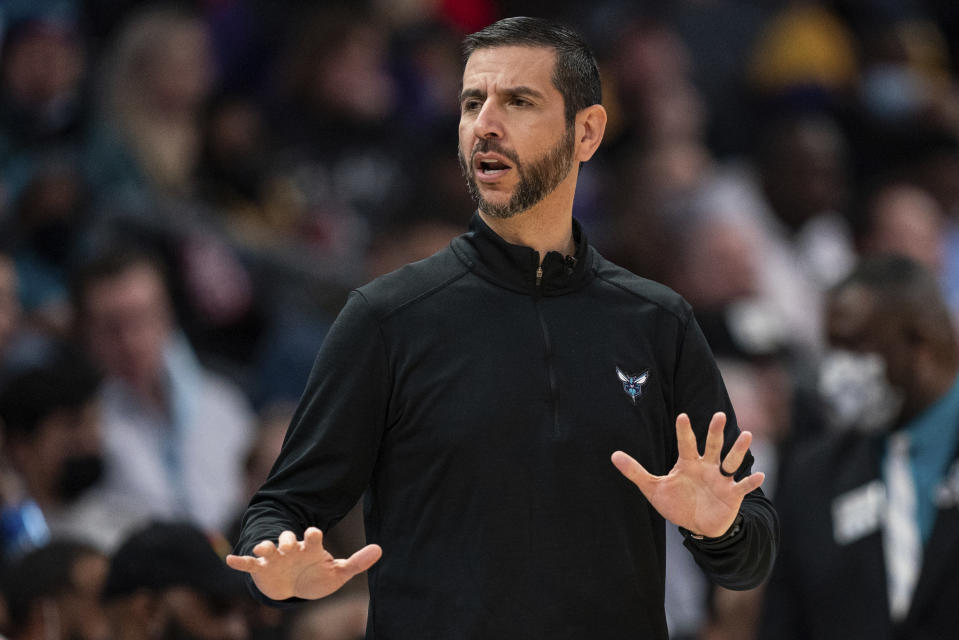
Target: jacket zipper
x,y
550,369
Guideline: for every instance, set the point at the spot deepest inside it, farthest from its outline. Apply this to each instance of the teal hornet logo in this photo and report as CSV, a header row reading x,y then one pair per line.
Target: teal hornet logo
x,y
633,385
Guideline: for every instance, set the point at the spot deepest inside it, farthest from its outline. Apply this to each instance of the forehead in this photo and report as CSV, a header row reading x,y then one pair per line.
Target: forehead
x,y
140,283
511,66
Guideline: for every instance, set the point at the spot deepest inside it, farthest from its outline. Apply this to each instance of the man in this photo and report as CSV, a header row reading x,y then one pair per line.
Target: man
x,y
175,434
869,513
50,425
9,302
53,593
167,581
480,393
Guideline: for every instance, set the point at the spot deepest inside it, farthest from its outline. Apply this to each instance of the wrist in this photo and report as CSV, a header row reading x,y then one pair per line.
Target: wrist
x,y
730,533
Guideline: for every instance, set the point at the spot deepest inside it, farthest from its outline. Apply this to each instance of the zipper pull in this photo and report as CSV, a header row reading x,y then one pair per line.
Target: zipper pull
x,y
539,275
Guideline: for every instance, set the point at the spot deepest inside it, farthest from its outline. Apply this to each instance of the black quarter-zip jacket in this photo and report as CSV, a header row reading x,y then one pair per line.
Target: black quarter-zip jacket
x,y
477,399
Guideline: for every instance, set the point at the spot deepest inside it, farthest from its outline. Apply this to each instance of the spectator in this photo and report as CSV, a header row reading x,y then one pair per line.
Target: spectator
x,y
51,433
792,204
346,158
159,76
904,219
50,220
52,593
336,618
167,581
9,302
234,175
175,434
869,517
43,104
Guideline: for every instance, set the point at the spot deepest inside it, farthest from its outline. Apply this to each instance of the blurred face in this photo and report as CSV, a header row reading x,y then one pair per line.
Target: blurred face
x,y
806,175
515,147
869,379
127,325
81,607
354,80
42,65
907,221
855,322
9,301
180,71
64,458
194,617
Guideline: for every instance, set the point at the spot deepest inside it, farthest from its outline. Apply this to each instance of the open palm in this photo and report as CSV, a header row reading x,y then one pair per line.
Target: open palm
x,y
301,568
696,494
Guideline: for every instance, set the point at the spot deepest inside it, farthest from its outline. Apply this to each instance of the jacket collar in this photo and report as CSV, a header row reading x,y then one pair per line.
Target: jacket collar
x,y
515,267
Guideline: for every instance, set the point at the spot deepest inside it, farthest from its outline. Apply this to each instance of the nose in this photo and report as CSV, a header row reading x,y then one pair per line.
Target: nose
x,y
488,123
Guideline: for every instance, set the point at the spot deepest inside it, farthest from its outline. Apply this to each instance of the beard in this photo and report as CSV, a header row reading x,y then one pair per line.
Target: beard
x,y
535,181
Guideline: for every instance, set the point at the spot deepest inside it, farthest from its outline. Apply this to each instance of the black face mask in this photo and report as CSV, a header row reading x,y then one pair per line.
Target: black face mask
x,y
54,241
77,474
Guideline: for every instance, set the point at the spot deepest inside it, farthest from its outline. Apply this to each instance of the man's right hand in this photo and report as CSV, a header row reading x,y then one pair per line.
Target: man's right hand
x,y
302,569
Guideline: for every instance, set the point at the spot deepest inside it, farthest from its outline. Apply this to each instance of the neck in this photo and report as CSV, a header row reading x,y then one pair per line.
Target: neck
x,y
544,227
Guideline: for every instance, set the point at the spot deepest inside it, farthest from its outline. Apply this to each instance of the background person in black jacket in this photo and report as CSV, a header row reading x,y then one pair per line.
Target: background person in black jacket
x,y
478,394
854,563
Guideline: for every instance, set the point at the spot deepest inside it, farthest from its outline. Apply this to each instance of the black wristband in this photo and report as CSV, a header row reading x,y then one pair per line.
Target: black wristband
x,y
733,530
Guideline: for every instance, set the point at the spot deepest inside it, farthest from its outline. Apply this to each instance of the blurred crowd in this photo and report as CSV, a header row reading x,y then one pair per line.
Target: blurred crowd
x,y
189,190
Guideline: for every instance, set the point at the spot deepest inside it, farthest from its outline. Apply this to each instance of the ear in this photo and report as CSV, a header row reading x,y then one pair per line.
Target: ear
x,y
590,127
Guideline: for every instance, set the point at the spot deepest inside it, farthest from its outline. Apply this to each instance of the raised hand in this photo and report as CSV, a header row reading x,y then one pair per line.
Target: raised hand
x,y
301,568
696,494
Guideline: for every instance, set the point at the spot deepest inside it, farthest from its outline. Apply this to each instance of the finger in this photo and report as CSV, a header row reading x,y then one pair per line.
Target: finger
x,y
737,453
264,549
361,560
634,471
243,563
714,438
312,539
751,482
287,542
685,438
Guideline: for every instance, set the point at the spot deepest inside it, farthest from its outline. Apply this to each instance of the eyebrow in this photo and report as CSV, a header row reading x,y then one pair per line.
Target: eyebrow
x,y
521,90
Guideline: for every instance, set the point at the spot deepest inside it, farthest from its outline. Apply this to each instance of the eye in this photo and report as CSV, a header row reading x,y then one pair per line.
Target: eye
x,y
520,102
471,104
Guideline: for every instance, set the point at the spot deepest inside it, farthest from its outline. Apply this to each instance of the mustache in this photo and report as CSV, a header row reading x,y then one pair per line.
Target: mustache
x,y
492,145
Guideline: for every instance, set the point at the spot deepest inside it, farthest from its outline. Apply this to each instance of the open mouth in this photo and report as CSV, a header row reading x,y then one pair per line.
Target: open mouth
x,y
490,167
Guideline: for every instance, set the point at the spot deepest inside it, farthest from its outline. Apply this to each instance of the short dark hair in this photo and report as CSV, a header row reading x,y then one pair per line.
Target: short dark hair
x,y
66,381
576,74
895,276
907,290
109,264
45,572
160,555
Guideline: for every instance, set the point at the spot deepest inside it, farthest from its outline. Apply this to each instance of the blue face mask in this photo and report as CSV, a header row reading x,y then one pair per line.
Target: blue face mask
x,y
857,393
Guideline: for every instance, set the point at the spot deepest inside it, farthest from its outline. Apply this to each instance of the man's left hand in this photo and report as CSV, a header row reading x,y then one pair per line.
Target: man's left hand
x,y
699,493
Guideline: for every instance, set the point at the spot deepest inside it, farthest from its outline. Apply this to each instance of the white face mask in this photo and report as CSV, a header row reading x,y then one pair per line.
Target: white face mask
x,y
857,393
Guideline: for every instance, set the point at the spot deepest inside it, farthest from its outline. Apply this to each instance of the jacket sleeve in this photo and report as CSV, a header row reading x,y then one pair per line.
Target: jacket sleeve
x,y
331,446
745,559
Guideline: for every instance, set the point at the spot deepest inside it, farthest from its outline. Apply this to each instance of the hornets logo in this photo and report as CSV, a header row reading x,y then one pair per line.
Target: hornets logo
x,y
633,385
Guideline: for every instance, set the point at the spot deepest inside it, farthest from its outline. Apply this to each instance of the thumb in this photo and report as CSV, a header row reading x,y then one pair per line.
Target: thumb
x,y
362,559
633,470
